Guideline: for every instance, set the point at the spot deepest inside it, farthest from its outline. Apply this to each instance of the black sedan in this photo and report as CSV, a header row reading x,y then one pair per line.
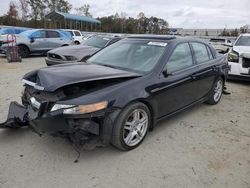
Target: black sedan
x,y
79,53
122,91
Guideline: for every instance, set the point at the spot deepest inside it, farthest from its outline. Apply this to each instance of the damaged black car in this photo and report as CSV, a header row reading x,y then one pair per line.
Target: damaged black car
x,y
121,92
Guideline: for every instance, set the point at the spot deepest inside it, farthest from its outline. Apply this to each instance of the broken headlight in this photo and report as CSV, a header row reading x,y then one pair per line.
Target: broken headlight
x,y
233,57
81,109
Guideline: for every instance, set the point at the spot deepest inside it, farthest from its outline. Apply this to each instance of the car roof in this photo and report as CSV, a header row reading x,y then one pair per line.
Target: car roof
x,y
70,30
245,34
154,37
166,38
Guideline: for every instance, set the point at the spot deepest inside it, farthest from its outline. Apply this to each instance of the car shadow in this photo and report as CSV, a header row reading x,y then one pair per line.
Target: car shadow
x,y
242,82
91,151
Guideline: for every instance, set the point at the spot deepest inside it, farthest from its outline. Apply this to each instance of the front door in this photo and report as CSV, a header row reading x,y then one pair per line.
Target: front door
x,y
176,88
38,41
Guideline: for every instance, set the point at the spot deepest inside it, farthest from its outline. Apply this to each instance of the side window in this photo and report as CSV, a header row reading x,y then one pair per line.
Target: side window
x,y
200,52
210,53
181,58
38,34
77,33
53,34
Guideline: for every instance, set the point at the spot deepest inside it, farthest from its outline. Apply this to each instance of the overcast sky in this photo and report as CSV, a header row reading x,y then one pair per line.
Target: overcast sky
x,y
179,13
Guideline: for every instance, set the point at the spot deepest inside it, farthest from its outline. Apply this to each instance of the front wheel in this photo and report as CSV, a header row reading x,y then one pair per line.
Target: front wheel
x,y
216,92
131,126
24,51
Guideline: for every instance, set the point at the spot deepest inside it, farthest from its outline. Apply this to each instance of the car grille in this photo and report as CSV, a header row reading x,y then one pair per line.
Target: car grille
x,y
246,63
54,56
26,100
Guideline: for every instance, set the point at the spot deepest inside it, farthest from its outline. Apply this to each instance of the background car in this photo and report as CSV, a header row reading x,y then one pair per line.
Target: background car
x,y
76,53
40,41
239,58
77,36
122,91
10,30
221,45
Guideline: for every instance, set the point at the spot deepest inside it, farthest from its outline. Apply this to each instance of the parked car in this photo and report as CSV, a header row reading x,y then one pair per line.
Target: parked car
x,y
5,31
40,41
122,91
221,45
239,58
76,35
76,53
11,30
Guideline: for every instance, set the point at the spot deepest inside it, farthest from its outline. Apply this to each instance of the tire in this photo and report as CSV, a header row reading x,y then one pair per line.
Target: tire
x,y
77,42
131,126
24,51
216,93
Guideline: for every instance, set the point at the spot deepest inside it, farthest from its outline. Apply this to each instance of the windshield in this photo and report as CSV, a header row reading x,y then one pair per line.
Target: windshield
x,y
243,41
96,41
130,55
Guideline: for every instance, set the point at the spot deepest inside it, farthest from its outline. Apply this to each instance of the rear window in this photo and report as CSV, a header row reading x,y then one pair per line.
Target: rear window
x,y
201,53
77,33
96,41
209,53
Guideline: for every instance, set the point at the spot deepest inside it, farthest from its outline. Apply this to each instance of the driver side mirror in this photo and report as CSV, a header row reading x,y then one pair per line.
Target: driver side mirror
x,y
32,40
165,73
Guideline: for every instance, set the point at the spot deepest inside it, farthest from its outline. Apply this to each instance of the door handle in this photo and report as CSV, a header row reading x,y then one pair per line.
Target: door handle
x,y
194,76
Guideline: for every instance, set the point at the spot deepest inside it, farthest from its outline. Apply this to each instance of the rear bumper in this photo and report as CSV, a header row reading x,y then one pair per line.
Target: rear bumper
x,y
51,62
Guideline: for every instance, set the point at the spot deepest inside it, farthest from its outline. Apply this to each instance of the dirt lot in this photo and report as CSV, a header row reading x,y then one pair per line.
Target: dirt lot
x,y
207,146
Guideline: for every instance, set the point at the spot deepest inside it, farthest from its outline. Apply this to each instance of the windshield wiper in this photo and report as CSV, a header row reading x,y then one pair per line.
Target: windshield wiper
x,y
110,66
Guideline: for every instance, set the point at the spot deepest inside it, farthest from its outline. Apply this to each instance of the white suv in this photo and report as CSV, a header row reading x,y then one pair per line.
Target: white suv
x,y
239,58
76,35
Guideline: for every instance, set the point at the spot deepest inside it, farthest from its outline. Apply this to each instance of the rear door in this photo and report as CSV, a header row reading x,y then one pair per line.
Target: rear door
x,y
54,39
207,68
177,89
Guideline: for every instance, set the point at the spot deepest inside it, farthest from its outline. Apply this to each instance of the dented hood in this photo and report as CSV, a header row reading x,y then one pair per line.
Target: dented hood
x,y
78,51
55,77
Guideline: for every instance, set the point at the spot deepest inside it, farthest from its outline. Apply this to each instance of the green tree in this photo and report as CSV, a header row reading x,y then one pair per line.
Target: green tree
x,y
58,5
84,10
38,8
12,14
244,29
234,33
24,9
225,33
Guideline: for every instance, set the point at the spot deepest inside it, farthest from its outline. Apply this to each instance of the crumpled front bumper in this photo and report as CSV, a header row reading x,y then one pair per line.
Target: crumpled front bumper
x,y
51,122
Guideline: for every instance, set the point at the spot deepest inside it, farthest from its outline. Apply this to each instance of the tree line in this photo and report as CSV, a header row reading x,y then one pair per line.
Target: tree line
x,y
31,13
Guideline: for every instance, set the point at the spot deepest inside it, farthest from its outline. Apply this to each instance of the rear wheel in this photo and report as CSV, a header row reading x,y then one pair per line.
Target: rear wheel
x,y
216,92
131,126
24,51
77,42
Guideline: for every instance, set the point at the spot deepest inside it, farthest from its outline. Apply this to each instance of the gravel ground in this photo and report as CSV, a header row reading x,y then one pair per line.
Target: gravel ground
x,y
207,146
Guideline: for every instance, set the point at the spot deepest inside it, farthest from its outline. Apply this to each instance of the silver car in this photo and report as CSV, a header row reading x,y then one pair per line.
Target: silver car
x,y
40,41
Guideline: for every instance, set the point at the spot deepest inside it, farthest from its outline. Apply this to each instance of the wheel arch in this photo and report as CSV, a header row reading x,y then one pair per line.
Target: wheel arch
x,y
149,106
21,44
